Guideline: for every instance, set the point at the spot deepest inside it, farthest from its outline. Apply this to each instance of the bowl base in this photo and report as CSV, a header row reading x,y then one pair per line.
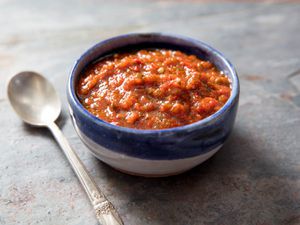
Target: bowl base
x,y
148,175
144,167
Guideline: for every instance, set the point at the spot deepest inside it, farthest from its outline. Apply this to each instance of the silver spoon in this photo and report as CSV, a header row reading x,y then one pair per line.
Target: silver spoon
x,y
35,100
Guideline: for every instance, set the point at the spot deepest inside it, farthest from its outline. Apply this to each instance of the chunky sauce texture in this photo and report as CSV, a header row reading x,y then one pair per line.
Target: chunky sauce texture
x,y
152,89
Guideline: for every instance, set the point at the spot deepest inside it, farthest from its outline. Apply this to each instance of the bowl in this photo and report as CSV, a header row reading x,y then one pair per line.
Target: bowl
x,y
153,152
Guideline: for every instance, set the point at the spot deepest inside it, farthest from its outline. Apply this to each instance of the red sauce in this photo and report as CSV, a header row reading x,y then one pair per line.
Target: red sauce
x,y
153,89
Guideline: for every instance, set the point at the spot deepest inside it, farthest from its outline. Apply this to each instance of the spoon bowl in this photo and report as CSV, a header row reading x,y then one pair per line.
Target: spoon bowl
x,y
33,98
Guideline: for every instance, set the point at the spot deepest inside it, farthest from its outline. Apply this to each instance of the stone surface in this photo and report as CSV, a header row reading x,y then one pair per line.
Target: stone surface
x,y
254,179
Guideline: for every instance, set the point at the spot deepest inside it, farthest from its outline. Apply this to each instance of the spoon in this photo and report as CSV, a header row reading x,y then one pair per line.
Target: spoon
x,y
35,100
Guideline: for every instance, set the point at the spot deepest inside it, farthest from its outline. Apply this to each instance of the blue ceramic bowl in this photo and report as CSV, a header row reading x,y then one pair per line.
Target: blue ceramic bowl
x,y
153,152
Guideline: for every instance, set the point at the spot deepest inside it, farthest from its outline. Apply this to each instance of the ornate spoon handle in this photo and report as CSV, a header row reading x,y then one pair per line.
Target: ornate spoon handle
x,y
105,211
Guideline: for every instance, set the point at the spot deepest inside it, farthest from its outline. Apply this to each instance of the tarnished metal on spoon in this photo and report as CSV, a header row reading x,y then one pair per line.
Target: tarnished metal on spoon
x,y
35,100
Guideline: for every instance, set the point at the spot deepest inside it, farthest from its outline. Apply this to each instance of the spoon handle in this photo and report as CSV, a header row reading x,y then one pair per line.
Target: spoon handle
x,y
105,211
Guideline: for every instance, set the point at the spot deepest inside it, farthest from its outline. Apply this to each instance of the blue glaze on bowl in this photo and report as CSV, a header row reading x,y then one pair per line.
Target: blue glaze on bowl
x,y
167,144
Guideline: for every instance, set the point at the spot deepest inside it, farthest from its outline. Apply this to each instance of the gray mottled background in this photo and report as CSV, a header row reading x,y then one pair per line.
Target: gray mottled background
x,y
254,179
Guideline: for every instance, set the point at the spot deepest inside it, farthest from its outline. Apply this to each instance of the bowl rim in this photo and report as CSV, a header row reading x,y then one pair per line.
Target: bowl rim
x,y
71,93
